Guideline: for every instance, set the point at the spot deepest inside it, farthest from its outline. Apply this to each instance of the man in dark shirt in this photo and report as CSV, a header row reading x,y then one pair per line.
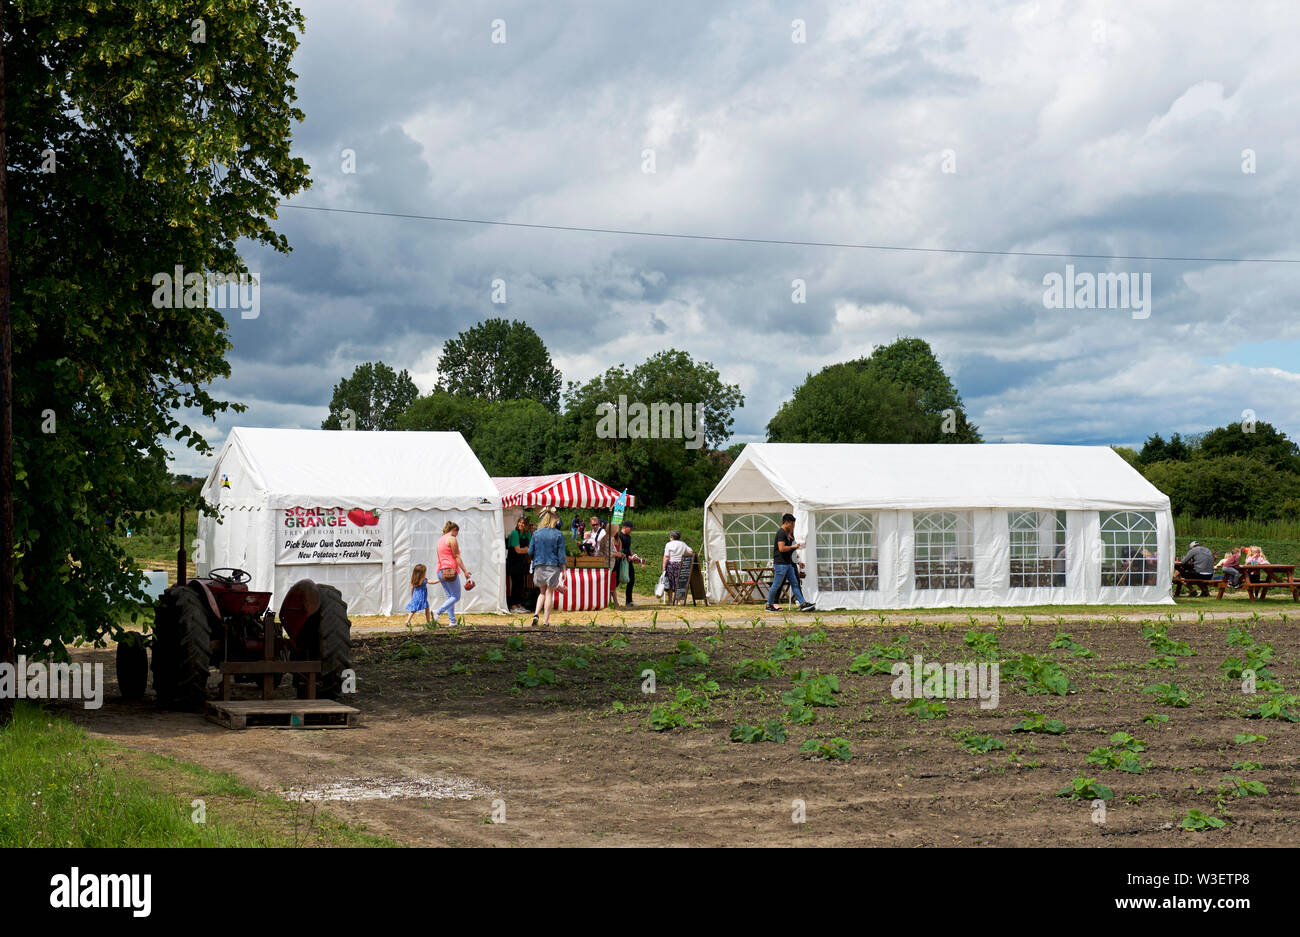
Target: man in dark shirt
x,y
783,568
623,554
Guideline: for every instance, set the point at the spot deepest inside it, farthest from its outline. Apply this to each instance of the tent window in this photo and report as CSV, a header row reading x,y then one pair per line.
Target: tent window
x,y
1128,541
944,551
1037,548
846,553
750,537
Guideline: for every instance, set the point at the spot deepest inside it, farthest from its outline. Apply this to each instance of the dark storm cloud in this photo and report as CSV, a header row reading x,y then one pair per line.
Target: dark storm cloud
x,y
1131,143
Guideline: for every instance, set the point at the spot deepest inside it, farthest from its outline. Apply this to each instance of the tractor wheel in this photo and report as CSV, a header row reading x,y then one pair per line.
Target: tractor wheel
x,y
132,669
329,634
181,649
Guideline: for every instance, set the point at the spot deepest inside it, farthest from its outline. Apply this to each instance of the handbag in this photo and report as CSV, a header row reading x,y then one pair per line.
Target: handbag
x,y
662,585
447,574
622,573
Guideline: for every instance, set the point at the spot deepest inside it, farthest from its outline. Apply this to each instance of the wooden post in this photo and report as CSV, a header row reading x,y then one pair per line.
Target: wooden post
x,y
180,554
7,585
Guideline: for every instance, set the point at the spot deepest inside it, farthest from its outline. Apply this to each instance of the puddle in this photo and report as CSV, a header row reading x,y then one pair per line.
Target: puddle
x,y
389,789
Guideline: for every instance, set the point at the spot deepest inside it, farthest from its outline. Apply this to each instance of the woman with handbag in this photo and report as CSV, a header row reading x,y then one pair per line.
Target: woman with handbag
x,y
450,565
547,551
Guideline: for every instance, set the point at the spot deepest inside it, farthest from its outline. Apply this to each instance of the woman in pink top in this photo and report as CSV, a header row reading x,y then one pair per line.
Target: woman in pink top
x,y
449,567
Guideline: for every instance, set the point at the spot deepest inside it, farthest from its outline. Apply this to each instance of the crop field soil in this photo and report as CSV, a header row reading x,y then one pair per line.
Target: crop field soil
x,y
517,737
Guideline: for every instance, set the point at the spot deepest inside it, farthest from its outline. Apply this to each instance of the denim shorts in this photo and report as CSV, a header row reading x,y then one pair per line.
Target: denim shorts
x,y
548,576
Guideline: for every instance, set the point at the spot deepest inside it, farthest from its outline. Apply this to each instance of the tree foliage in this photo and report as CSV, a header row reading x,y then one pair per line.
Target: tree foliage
x,y
500,360
1232,486
1156,449
164,151
375,393
898,394
1232,472
662,471
1263,441
510,437
847,403
523,437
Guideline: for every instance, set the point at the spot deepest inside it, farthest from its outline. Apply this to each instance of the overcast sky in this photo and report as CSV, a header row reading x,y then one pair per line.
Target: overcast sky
x,y
1094,128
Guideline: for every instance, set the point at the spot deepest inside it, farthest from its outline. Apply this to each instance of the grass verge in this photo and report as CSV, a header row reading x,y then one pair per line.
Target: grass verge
x,y
61,787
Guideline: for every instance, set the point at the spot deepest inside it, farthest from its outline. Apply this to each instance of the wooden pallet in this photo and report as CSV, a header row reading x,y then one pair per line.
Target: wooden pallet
x,y
281,714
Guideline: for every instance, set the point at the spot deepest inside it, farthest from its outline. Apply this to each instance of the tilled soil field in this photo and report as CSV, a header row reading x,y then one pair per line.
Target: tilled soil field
x,y
464,728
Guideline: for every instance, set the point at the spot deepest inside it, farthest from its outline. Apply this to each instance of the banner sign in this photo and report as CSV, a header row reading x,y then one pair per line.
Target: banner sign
x,y
620,506
328,535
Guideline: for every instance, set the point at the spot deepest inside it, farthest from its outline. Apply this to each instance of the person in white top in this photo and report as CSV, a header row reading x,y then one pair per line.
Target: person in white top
x,y
674,550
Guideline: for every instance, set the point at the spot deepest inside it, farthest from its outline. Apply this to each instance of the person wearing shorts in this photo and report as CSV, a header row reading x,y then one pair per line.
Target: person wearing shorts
x,y
547,552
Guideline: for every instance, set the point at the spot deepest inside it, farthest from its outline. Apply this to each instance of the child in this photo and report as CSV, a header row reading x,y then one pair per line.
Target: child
x,y
1230,564
419,594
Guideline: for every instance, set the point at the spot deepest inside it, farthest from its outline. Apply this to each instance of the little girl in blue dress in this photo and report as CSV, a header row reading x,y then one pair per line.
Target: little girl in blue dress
x,y
419,594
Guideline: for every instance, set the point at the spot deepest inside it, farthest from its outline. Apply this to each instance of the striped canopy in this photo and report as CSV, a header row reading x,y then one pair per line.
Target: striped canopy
x,y
570,490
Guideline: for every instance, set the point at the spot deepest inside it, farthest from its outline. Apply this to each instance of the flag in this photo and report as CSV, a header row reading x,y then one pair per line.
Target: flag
x,y
620,505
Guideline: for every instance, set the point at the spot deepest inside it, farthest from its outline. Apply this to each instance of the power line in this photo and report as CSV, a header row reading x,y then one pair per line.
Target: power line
x,y
792,243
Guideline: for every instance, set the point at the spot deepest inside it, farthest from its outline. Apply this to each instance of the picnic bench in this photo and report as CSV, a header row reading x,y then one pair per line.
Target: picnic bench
x,y
1255,579
1186,576
1258,579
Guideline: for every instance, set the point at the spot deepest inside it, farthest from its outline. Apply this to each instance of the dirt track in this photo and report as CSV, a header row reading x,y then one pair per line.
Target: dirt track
x,y
573,770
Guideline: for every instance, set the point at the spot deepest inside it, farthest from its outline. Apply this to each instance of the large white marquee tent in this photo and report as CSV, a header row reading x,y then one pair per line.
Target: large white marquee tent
x,y
356,510
925,526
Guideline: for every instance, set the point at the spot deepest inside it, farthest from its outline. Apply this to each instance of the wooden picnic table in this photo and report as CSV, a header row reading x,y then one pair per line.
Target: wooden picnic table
x,y
1272,576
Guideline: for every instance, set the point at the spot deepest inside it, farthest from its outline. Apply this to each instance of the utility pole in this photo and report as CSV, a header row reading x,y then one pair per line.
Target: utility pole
x,y
6,414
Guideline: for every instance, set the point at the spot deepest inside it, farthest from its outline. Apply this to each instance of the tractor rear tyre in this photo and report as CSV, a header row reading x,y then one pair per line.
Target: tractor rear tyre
x,y
182,649
328,634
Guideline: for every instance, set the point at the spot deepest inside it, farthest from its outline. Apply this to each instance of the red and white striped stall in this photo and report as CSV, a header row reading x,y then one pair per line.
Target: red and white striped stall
x,y
584,589
569,490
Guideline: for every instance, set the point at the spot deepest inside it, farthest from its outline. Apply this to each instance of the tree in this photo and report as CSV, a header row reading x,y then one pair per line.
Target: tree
x,y
142,143
911,363
375,394
1263,442
499,360
1128,454
510,437
1155,449
603,436
443,412
518,437
1233,487
899,394
847,403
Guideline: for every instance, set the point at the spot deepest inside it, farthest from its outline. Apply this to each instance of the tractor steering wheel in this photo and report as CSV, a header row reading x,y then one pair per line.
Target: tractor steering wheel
x,y
237,576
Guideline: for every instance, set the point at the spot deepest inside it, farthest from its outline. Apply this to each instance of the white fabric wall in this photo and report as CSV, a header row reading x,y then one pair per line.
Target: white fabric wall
x,y
482,547
895,540
242,541
715,539
361,584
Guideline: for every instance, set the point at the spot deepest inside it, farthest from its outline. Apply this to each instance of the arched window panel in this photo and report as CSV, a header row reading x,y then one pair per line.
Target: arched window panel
x,y
943,550
749,537
1128,548
847,559
1037,549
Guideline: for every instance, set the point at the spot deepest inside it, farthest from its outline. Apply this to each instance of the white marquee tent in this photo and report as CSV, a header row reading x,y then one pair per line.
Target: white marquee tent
x,y
924,526
356,510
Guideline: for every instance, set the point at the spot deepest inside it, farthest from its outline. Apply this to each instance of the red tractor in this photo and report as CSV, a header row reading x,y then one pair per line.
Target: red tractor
x,y
212,620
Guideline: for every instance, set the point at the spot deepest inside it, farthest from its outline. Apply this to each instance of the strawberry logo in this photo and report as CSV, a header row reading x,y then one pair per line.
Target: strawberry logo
x,y
363,518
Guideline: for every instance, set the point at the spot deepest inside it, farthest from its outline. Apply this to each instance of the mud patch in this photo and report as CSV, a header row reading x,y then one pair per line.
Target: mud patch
x,y
353,789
